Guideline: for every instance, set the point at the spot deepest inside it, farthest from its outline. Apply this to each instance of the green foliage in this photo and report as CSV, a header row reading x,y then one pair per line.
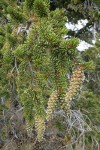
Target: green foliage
x,y
89,65
1,41
2,32
36,60
11,40
29,4
15,14
8,57
8,28
4,133
41,7
42,58
20,52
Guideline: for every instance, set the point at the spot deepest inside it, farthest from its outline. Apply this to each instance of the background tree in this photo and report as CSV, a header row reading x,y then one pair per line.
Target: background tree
x,y
81,9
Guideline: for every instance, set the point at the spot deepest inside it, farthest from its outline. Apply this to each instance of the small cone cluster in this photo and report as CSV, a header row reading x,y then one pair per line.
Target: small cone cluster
x,y
51,105
40,127
75,84
29,129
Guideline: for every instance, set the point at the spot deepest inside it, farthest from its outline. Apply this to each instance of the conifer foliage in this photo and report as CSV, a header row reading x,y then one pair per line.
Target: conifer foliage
x,y
35,62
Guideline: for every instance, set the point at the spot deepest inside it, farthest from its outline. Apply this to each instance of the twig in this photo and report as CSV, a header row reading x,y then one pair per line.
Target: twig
x,y
2,101
15,113
16,66
72,142
32,72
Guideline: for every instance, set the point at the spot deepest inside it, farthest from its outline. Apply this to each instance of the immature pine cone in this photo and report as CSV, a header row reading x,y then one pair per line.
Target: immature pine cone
x,y
75,84
40,127
29,129
51,105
